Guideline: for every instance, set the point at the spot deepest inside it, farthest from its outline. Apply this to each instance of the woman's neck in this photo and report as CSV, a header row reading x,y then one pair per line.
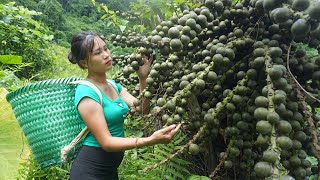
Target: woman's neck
x,y
97,78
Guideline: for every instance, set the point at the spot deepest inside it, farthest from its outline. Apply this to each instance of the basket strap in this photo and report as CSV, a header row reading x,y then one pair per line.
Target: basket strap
x,y
65,150
113,84
90,84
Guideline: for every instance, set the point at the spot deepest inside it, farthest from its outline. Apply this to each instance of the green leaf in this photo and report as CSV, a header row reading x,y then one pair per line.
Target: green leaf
x,y
93,2
135,27
163,152
105,8
178,167
167,148
181,161
122,28
175,173
124,22
109,23
2,74
142,28
179,1
104,16
196,177
10,59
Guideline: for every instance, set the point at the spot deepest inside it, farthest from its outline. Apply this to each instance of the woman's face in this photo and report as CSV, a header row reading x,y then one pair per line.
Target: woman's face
x,y
100,58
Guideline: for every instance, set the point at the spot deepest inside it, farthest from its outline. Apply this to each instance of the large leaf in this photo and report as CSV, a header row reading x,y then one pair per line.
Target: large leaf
x,y
10,59
11,141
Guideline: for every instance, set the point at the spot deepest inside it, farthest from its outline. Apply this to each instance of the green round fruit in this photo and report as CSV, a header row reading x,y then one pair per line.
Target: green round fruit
x,y
263,127
228,164
234,152
294,161
209,117
258,62
252,73
194,149
261,113
259,52
236,99
262,140
202,21
300,136
185,39
284,142
284,127
183,84
279,98
200,84
156,39
263,169
314,11
191,23
171,105
261,101
209,3
300,28
275,52
242,125
174,32
281,15
176,44
161,102
270,156
273,117
300,5
148,94
212,76
300,172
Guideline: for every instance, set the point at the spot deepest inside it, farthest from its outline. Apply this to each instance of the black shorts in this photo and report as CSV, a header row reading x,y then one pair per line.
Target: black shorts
x,y
93,163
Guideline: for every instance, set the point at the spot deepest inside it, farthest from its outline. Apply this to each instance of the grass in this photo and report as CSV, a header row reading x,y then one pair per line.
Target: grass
x,y
62,68
11,141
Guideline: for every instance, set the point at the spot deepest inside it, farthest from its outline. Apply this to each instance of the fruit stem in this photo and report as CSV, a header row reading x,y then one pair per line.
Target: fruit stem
x,y
276,172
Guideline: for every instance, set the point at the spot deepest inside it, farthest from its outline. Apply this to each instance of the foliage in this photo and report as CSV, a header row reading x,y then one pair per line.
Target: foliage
x,y
31,170
8,79
61,67
137,159
21,35
52,13
143,14
12,140
10,59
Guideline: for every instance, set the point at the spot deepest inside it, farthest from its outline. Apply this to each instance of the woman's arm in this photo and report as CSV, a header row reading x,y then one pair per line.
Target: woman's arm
x,y
144,106
92,114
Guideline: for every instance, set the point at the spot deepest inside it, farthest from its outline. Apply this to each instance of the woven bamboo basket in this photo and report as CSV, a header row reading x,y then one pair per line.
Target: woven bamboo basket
x,y
46,113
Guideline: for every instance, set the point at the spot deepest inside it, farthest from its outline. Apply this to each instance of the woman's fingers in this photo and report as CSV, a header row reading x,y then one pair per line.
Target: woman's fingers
x,y
174,131
168,129
151,59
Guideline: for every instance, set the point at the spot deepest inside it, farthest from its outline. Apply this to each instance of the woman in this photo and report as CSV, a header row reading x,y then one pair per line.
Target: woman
x,y
103,148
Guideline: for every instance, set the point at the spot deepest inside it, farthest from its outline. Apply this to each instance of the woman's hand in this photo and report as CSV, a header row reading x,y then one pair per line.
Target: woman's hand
x,y
144,70
165,135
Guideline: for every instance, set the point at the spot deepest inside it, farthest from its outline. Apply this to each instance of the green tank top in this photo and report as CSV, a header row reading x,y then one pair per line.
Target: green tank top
x,y
114,111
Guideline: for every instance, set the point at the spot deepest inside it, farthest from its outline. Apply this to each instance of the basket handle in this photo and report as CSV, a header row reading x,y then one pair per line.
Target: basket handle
x,y
65,150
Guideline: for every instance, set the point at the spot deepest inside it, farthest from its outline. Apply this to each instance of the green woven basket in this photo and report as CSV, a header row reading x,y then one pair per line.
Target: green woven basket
x,y
46,113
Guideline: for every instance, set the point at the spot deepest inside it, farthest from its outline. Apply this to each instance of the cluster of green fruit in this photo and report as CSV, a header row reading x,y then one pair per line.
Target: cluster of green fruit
x,y
227,72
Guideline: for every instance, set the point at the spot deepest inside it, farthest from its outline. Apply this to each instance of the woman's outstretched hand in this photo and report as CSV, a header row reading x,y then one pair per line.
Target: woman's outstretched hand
x,y
144,70
165,135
